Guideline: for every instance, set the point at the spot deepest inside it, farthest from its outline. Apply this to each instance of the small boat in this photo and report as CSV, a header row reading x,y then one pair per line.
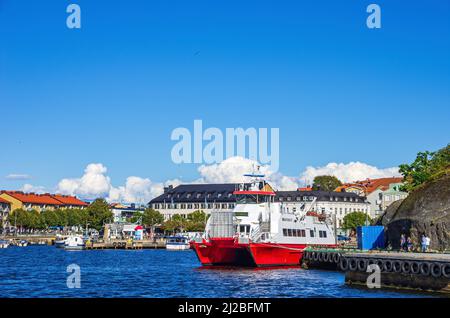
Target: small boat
x,y
74,243
60,241
22,243
177,243
4,244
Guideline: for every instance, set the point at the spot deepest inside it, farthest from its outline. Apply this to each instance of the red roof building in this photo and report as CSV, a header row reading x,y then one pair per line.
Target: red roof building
x,y
69,200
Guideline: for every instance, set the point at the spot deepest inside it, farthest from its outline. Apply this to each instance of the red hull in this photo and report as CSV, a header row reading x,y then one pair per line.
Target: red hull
x,y
228,252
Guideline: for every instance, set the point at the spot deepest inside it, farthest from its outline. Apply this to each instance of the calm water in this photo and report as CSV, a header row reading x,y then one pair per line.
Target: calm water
x,y
41,272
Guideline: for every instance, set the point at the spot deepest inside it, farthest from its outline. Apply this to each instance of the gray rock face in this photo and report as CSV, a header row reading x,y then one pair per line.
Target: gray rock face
x,y
425,211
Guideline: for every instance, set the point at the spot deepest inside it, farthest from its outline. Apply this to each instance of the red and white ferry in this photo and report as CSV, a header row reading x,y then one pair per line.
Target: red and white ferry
x,y
261,232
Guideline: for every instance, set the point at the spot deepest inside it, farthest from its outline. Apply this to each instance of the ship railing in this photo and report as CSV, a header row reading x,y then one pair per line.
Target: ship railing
x,y
258,231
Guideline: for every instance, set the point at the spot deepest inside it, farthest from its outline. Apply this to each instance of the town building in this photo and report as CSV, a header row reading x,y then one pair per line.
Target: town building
x,y
188,198
5,209
337,204
380,193
40,202
123,213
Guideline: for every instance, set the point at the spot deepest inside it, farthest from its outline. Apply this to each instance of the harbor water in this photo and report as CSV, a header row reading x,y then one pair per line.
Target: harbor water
x,y
41,271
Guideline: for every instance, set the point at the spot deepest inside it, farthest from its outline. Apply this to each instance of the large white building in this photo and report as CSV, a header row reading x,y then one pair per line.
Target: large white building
x,y
186,199
337,204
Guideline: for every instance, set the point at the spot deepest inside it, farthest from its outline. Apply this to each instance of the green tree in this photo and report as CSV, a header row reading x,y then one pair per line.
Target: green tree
x,y
326,183
426,165
50,218
25,219
355,219
137,217
98,214
196,221
176,224
152,218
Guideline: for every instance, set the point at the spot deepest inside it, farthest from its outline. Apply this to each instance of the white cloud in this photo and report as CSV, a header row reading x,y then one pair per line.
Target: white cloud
x,y
31,188
232,170
94,183
136,190
353,171
17,176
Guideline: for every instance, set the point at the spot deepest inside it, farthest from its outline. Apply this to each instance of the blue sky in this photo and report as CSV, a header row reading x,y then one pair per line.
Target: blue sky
x,y
113,91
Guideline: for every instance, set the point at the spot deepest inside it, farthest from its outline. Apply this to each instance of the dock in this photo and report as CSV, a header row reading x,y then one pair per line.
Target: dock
x,y
419,271
125,245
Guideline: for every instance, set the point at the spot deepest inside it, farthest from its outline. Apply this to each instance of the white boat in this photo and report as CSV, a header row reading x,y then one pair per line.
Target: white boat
x,y
22,243
177,243
60,241
4,244
74,243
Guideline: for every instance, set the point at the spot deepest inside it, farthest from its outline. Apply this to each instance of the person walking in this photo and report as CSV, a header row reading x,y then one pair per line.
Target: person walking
x,y
402,242
427,243
409,244
424,243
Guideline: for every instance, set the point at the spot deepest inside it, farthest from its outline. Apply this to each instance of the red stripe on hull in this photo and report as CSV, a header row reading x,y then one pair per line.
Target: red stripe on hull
x,y
227,252
267,254
222,252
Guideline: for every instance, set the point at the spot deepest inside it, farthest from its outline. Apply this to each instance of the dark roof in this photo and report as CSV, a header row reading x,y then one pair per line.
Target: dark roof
x,y
198,193
321,195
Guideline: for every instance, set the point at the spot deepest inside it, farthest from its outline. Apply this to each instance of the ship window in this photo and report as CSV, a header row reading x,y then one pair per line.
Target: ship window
x,y
285,232
289,232
311,233
323,234
302,233
294,233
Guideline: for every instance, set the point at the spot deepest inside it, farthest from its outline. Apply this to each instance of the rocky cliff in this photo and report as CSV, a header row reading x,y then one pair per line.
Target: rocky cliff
x,y
426,210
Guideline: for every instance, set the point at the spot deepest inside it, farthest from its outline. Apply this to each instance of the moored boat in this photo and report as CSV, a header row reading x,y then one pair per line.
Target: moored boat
x,y
4,244
74,242
260,232
60,241
22,243
177,243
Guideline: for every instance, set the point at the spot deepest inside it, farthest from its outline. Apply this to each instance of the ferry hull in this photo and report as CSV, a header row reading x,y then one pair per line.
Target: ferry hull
x,y
222,252
228,252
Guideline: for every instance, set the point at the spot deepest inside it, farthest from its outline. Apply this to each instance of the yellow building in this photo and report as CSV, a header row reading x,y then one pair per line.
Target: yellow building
x,y
40,202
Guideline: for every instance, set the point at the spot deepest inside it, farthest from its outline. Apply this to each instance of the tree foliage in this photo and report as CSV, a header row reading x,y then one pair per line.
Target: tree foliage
x,y
152,218
98,214
355,219
326,183
426,165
